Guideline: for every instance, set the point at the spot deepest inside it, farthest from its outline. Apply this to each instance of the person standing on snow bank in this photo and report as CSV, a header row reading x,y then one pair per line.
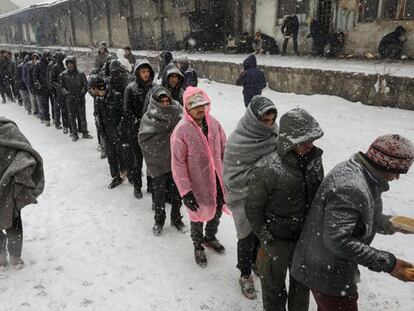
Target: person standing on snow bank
x,y
74,86
134,101
197,150
190,76
157,125
252,79
21,182
343,221
391,46
254,137
281,189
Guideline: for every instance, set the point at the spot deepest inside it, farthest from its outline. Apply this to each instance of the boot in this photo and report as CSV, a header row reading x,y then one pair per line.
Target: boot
x,y
137,192
3,262
58,127
215,245
103,154
47,123
177,223
247,287
87,136
157,229
65,130
16,262
115,182
200,257
75,137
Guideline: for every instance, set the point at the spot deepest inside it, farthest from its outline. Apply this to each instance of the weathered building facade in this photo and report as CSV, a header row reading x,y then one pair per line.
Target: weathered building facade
x,y
166,24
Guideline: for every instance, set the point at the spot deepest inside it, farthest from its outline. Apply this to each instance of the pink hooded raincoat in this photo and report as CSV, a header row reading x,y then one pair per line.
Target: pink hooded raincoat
x,y
196,161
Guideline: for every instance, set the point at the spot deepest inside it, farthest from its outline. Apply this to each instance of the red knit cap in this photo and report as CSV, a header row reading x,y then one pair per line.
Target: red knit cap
x,y
392,153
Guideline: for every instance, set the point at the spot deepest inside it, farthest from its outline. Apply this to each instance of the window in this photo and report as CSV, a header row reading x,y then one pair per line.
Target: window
x,y
390,9
409,9
368,9
290,7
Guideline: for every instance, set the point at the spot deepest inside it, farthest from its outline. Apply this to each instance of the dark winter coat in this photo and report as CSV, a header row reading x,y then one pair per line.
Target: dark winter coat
x,y
119,77
132,59
21,173
49,69
190,75
26,73
252,79
269,44
178,91
317,32
56,70
108,110
290,25
344,218
282,185
40,76
100,59
134,100
391,42
73,84
19,76
157,125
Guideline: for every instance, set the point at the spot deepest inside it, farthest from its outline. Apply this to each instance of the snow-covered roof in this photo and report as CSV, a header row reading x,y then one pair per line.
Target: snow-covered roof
x,y
45,4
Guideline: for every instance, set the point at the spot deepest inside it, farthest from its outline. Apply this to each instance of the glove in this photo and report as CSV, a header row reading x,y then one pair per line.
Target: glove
x,y
190,201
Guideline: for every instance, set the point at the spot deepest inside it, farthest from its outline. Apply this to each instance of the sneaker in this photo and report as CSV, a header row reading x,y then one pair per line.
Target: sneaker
x,y
75,137
58,127
138,193
115,182
3,262
157,229
47,123
215,245
179,225
16,262
65,130
200,257
87,136
247,287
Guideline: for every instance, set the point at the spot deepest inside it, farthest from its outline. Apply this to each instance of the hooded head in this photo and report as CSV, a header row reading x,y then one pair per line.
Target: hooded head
x,y
60,56
35,56
195,97
183,63
261,106
70,60
250,62
143,63
167,57
115,66
158,93
103,48
171,69
400,30
296,127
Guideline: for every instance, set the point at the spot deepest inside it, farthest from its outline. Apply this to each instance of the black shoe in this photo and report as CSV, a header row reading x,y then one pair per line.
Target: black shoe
x,y
138,193
87,136
200,257
157,229
177,223
58,127
153,206
115,182
215,245
75,137
65,130
103,154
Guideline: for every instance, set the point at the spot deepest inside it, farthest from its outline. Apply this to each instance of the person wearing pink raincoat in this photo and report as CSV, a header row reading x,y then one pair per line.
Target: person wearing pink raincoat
x,y
197,149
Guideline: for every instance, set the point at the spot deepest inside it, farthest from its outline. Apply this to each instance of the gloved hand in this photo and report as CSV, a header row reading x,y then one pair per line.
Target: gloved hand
x,y
190,201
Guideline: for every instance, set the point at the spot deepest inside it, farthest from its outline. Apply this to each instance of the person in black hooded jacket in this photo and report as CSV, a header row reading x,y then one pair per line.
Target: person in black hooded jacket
x,y
166,58
173,81
74,86
61,110
42,86
190,75
24,93
252,79
134,101
391,46
290,28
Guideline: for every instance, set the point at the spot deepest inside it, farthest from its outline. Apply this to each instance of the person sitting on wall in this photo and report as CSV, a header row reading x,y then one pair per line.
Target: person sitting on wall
x,y
265,44
290,28
245,44
335,44
391,46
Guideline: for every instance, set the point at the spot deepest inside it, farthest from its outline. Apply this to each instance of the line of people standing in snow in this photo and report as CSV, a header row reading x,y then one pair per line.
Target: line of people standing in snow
x,y
288,215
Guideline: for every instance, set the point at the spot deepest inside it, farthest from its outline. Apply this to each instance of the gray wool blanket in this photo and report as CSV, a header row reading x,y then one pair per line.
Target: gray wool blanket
x,y
250,141
157,125
21,172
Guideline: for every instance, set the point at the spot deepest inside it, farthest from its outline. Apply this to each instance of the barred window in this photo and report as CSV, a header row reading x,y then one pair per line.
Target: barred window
x,y
290,7
409,9
390,9
369,9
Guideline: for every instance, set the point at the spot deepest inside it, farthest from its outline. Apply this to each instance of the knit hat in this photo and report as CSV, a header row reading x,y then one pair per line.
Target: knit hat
x,y
261,105
391,153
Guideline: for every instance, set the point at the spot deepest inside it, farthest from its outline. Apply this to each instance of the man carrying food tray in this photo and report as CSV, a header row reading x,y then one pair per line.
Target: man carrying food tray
x,y
343,220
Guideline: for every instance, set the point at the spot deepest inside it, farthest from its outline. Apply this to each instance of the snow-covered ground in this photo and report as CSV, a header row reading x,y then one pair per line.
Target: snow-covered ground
x,y
87,247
